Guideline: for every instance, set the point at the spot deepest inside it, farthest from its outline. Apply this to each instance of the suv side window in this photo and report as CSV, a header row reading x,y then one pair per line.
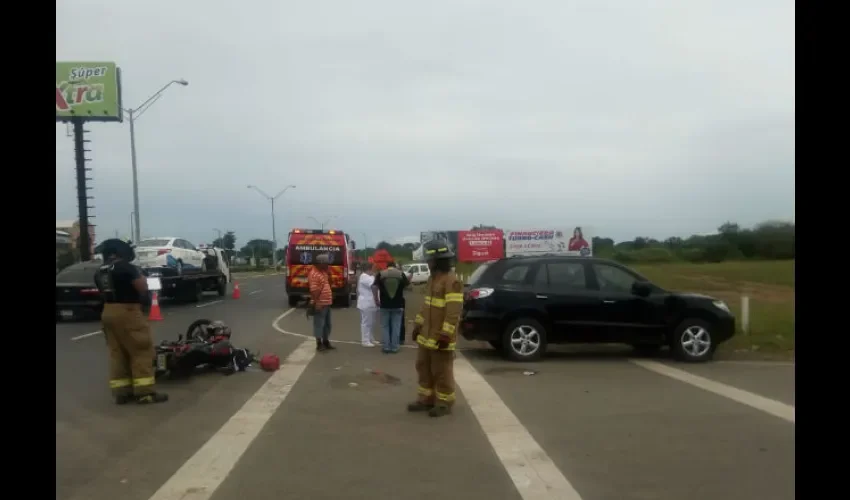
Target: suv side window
x,y
613,279
515,275
567,275
187,245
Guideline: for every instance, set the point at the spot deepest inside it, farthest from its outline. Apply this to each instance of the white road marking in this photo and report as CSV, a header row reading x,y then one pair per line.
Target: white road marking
x,y
205,304
255,291
352,342
357,342
86,335
767,364
204,472
534,474
769,406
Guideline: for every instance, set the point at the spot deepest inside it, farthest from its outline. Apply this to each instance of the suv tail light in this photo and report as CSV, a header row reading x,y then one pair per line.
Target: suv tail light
x,y
163,251
479,293
89,291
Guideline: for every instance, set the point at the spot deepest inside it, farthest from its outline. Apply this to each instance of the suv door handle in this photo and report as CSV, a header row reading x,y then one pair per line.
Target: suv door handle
x,y
608,301
542,297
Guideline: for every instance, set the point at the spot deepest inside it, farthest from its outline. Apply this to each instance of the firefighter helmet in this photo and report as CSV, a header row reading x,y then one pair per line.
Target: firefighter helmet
x,y
114,247
437,249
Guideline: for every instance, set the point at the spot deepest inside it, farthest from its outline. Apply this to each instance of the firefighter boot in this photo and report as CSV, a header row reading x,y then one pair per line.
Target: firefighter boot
x,y
439,411
320,346
154,397
123,399
327,344
418,406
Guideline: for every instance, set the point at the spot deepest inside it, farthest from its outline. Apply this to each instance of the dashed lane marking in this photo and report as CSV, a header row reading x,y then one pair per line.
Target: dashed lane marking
x,y
86,335
205,304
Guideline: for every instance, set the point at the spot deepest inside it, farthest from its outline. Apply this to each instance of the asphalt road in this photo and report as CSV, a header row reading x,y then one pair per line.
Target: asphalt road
x,y
589,423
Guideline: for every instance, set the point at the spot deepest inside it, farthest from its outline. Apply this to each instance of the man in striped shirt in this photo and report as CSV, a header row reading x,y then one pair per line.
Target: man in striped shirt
x,y
321,300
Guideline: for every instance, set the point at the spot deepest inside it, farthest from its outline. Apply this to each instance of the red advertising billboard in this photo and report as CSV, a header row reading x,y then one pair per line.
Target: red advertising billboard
x,y
479,246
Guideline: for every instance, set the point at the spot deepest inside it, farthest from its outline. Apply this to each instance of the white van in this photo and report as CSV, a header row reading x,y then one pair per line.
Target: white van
x,y
417,272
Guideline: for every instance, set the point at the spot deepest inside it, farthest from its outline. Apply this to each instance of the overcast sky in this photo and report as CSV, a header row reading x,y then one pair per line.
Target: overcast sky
x,y
653,118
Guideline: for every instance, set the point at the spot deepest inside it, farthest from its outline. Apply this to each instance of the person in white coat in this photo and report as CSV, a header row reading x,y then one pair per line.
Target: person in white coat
x,y
366,304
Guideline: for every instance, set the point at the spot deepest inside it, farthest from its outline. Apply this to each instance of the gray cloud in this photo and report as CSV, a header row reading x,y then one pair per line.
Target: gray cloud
x,y
634,118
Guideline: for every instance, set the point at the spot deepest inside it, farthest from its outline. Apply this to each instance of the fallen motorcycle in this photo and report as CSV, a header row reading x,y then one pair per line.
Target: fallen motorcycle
x,y
205,345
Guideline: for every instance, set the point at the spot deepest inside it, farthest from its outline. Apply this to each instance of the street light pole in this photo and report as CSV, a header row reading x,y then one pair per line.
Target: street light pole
x,y
323,224
132,116
272,199
132,120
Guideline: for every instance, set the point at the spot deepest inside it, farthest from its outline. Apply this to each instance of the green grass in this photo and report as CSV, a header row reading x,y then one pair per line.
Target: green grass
x,y
768,272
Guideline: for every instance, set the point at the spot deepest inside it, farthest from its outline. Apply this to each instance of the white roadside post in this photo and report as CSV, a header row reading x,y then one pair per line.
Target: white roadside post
x,y
745,314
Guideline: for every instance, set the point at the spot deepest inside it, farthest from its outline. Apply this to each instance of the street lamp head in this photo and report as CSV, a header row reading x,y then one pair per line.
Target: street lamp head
x,y
182,82
250,186
291,186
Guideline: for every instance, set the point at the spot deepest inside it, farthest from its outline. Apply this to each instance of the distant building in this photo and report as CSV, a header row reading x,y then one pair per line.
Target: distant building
x,y
72,228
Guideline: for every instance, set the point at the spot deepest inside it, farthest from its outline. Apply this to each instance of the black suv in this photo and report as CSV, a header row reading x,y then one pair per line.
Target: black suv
x,y
521,304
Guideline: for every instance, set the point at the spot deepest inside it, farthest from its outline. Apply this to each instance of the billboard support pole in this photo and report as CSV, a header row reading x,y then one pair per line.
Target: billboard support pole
x,y
82,189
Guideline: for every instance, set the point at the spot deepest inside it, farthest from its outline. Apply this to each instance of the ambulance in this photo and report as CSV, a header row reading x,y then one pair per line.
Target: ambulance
x,y
301,251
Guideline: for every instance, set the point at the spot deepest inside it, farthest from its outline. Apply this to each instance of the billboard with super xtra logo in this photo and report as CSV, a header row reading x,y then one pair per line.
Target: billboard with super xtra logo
x,y
89,90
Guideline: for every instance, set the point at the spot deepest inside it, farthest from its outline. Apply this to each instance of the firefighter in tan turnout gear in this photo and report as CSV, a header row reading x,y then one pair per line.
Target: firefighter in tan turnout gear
x,y
435,332
127,333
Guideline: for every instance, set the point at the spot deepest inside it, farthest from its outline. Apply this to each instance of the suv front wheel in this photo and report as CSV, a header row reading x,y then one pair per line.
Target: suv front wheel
x,y
692,341
524,339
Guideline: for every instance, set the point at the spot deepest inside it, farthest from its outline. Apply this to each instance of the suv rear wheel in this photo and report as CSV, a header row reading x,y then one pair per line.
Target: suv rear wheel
x,y
692,341
524,339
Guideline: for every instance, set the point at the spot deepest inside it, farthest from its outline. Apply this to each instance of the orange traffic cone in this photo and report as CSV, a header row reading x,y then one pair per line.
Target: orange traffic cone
x,y
236,293
155,314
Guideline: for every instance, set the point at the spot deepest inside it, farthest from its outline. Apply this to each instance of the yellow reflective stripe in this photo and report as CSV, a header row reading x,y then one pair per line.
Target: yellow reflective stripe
x,y
434,301
448,328
424,391
426,342
447,397
119,383
454,297
444,249
429,252
141,382
419,319
432,344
